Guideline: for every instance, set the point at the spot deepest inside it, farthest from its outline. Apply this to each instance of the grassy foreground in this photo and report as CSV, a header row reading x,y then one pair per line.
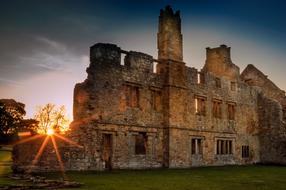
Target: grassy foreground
x,y
5,168
214,178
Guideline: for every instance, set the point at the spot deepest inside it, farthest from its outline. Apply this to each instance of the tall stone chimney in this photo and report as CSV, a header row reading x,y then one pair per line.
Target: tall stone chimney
x,y
170,45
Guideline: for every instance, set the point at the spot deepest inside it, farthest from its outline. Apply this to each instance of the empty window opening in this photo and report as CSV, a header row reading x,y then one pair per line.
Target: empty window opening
x,y
155,67
107,150
232,86
156,100
231,111
245,151
217,108
200,78
140,144
218,82
200,106
122,59
224,147
197,146
131,95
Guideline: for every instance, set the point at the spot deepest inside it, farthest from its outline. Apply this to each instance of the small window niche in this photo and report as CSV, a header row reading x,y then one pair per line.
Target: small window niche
x,y
197,148
217,107
200,105
217,82
245,151
156,99
233,86
231,108
200,78
131,95
141,143
224,147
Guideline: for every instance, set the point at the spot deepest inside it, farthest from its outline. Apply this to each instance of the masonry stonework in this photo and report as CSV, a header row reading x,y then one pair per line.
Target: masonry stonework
x,y
126,116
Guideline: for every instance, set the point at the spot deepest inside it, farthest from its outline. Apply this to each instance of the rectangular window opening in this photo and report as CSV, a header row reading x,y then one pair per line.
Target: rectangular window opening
x,y
218,82
224,147
245,151
140,144
200,78
200,106
231,111
197,147
232,86
131,95
156,100
122,59
217,113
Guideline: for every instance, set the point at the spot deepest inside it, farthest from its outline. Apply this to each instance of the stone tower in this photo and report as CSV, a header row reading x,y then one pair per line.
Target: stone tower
x,y
173,70
170,45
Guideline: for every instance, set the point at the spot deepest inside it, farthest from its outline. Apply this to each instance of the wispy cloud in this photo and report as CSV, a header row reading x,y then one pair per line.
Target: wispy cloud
x,y
54,56
56,45
11,82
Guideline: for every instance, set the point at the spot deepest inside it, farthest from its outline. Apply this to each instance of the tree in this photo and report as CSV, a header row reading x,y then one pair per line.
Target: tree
x,y
30,125
11,115
12,120
51,117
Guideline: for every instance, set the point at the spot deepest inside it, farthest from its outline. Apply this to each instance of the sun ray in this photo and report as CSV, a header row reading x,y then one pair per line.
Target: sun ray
x,y
28,139
58,157
50,135
68,140
41,150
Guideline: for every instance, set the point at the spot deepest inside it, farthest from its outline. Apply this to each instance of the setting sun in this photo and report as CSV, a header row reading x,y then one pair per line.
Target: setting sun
x,y
50,131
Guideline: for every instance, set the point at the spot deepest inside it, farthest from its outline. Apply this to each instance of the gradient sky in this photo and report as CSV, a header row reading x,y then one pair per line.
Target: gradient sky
x,y
44,45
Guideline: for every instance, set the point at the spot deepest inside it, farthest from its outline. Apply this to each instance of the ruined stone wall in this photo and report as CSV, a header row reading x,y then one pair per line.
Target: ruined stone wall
x,y
100,108
102,96
179,86
100,105
272,115
253,77
186,124
272,132
123,154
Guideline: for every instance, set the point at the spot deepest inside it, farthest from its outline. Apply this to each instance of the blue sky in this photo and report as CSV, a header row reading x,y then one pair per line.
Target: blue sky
x,y
44,45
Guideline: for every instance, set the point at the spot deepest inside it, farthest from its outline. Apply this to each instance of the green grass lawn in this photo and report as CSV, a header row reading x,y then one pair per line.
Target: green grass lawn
x,y
214,178
5,168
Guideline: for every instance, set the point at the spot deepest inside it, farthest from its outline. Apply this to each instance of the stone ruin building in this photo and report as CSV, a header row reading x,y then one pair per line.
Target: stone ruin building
x,y
126,116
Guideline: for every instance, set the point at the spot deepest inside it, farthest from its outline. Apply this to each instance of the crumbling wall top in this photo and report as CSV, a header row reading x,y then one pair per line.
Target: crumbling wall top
x,y
105,53
223,51
218,62
254,77
168,12
139,61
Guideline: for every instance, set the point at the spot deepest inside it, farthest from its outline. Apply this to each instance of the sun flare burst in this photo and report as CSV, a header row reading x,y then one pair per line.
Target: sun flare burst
x,y
50,132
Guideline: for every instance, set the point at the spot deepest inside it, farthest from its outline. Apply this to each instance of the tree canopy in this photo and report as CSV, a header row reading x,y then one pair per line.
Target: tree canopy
x,y
50,116
11,115
12,118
